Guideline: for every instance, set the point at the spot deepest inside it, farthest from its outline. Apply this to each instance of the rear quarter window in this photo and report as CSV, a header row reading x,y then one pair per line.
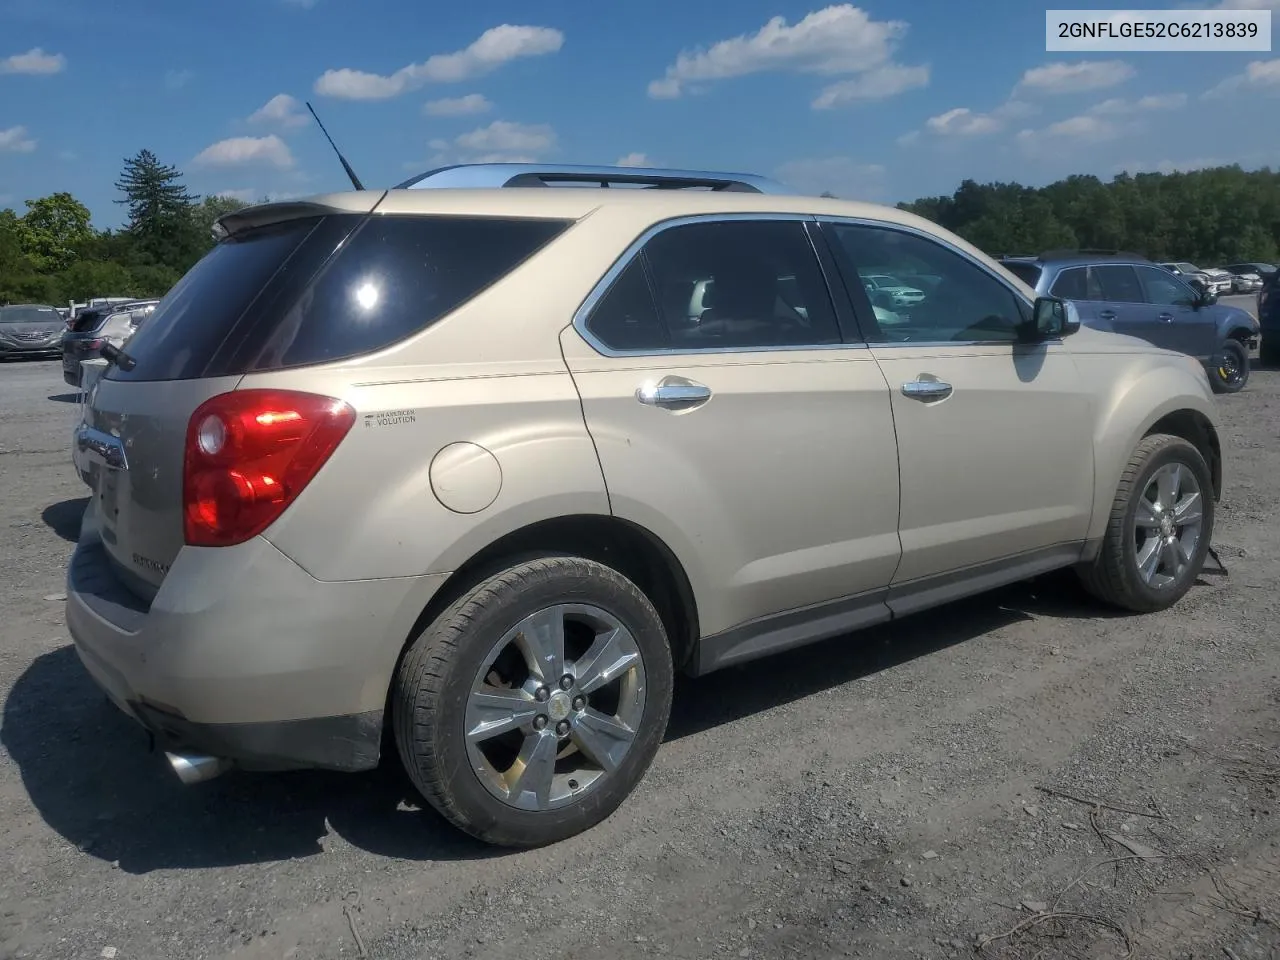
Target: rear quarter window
x,y
1028,273
325,289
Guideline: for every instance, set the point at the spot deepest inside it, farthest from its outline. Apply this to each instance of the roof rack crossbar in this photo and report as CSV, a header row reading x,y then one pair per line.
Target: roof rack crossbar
x,y
497,175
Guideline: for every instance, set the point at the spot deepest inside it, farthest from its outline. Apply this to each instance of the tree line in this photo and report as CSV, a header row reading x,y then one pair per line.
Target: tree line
x,y
1209,217
52,254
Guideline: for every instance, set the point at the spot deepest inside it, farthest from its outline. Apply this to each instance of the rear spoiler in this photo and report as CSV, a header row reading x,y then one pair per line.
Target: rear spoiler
x,y
263,214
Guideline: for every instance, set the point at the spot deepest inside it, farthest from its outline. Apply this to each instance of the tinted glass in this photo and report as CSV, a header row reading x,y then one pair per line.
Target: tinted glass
x,y
1028,273
739,284
1073,284
195,318
25,314
279,296
1164,288
1119,283
393,278
948,298
626,318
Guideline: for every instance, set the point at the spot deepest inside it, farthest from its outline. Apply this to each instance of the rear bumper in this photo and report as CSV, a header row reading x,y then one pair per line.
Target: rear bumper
x,y
245,656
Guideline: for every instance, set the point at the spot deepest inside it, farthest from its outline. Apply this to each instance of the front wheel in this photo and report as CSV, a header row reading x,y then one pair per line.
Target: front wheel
x,y
1231,372
1160,528
533,705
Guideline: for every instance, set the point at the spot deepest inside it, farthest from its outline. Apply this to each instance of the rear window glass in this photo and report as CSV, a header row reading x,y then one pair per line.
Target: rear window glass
x,y
282,297
1028,273
24,314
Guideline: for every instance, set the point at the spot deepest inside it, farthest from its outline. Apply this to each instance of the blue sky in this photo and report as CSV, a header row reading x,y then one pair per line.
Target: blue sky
x,y
878,100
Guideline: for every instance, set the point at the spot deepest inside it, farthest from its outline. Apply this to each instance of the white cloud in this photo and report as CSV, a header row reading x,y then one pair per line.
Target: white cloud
x,y
635,160
1083,127
177,79
843,176
244,196
1076,77
15,140
962,122
494,47
839,39
281,110
1261,75
458,106
1118,106
34,61
502,141
238,151
878,83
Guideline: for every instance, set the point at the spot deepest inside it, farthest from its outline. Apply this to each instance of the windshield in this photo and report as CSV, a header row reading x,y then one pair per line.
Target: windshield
x,y
29,315
1188,267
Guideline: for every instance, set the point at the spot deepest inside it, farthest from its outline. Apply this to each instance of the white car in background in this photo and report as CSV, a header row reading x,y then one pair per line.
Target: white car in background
x,y
899,294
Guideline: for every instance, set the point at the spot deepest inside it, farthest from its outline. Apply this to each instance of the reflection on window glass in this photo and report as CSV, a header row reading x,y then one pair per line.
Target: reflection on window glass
x,y
740,284
1163,288
934,294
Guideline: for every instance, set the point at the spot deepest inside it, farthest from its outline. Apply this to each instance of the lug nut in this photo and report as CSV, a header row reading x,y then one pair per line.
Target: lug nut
x,y
542,694
539,722
566,682
562,728
579,702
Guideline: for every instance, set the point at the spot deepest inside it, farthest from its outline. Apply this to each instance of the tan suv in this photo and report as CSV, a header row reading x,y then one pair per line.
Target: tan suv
x,y
485,466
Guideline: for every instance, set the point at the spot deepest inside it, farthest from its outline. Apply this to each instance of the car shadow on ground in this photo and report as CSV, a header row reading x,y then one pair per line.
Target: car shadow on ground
x,y
65,397
64,517
90,774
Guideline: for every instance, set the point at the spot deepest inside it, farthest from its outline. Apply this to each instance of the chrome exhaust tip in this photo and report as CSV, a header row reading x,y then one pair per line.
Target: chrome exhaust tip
x,y
193,768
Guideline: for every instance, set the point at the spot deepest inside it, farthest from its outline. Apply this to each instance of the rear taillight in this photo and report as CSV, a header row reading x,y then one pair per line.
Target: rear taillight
x,y
248,454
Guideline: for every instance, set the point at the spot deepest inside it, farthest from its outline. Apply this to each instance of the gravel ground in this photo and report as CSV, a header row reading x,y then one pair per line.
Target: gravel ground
x,y
883,795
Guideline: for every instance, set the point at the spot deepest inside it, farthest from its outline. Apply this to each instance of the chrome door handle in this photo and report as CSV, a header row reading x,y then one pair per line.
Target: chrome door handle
x,y
673,393
926,389
1106,315
1166,318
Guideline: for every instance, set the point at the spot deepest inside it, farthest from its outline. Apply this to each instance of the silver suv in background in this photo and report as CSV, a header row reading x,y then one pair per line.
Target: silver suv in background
x,y
463,465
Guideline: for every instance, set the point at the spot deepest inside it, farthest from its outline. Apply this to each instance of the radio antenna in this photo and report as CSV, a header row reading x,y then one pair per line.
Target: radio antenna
x,y
355,181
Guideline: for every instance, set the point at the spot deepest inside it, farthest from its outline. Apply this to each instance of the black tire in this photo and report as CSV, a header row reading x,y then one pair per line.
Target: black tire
x,y
1113,576
435,677
1231,372
1269,352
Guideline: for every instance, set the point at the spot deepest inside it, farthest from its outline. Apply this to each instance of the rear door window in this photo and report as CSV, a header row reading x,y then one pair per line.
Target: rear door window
x,y
1073,284
1119,283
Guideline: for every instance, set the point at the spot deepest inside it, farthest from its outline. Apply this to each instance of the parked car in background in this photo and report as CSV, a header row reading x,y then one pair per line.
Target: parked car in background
x,y
95,327
491,524
1129,294
1224,279
30,330
1269,320
1193,275
1262,269
890,293
1245,282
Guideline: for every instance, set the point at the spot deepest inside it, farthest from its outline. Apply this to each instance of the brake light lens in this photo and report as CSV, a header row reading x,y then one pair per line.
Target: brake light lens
x,y
248,455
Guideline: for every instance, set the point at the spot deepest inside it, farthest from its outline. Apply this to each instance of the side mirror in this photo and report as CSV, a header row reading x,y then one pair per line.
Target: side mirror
x,y
1052,318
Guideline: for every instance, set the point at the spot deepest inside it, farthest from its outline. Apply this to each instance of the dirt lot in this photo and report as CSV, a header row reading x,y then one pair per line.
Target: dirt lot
x,y
879,796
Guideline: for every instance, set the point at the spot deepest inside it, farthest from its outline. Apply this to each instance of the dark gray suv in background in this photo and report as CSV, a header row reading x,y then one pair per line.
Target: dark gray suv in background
x,y
1129,294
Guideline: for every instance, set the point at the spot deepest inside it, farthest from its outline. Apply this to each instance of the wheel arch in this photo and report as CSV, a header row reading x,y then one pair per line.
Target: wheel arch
x,y
1199,431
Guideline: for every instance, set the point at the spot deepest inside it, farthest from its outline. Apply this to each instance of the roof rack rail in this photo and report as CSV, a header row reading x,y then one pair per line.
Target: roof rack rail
x,y
491,175
1090,252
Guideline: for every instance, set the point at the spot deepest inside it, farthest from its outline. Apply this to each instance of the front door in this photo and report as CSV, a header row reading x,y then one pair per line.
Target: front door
x,y
748,436
1183,326
983,494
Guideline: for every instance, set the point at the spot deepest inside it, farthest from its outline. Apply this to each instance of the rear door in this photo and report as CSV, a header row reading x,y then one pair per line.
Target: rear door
x,y
1181,325
754,439
1124,305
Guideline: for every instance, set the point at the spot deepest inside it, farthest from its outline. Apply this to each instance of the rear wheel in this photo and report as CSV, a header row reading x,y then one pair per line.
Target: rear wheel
x,y
1231,372
533,705
1160,528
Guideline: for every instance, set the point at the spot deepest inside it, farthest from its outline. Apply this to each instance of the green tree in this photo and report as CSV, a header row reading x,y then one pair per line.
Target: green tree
x,y
205,213
160,220
54,230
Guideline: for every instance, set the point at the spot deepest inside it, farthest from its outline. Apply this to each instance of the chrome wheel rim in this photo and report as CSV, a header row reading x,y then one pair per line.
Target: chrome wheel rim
x,y
555,706
1168,524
